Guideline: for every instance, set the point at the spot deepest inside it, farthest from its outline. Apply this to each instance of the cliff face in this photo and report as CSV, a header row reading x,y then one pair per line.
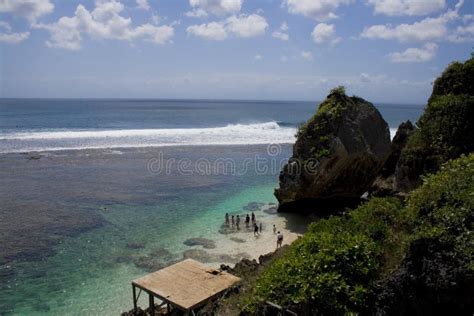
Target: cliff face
x,y
384,184
444,130
337,154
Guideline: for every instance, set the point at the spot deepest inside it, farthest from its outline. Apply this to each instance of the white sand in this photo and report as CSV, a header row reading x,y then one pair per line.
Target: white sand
x,y
254,246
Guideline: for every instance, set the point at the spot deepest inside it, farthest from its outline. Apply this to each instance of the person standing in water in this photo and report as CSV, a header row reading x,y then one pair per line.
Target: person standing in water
x,y
233,221
237,222
247,221
274,228
255,229
227,219
260,226
279,240
253,217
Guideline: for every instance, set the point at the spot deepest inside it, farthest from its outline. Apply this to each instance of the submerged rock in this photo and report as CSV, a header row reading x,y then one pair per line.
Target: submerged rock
x,y
337,154
239,240
135,245
161,252
200,241
204,256
271,210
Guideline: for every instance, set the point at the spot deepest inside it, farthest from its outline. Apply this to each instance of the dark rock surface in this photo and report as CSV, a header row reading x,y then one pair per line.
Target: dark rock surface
x,y
337,154
385,184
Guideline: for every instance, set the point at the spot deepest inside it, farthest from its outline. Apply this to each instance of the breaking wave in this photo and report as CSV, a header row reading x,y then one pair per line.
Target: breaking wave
x,y
234,134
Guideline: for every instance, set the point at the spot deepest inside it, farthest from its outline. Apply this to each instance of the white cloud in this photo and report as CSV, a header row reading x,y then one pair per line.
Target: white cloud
x,y
9,36
5,25
365,77
218,7
196,13
213,31
258,57
143,4
320,10
282,32
325,33
407,7
463,34
415,55
428,29
104,22
247,25
241,26
29,9
307,55
13,38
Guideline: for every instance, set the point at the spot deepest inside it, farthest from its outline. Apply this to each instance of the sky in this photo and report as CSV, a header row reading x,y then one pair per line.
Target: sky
x,y
382,50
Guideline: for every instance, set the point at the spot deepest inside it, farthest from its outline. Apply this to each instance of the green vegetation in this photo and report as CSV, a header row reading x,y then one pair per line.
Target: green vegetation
x,y
444,207
445,128
456,79
333,268
319,128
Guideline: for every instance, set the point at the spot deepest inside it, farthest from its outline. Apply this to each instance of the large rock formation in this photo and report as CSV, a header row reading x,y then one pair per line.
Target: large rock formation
x,y
384,184
444,130
337,154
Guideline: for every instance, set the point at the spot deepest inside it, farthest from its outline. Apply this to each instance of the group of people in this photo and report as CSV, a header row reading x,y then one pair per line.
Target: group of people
x,y
257,229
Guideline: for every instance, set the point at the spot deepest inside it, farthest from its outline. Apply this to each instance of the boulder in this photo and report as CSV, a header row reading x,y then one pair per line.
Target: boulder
x,y
384,184
337,154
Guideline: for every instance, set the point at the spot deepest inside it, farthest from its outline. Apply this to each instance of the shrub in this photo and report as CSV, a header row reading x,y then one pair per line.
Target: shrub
x,y
334,267
331,268
444,208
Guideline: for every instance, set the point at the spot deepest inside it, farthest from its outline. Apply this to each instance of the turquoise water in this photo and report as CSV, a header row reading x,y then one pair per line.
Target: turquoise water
x,y
82,214
85,277
145,220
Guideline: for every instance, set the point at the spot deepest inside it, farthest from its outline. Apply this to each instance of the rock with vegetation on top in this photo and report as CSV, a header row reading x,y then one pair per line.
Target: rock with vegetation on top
x,y
444,130
337,154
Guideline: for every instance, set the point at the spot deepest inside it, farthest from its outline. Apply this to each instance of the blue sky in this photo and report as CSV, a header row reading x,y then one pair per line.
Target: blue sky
x,y
382,50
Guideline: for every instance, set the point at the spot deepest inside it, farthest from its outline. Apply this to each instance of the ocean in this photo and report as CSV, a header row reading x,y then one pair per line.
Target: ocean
x,y
96,192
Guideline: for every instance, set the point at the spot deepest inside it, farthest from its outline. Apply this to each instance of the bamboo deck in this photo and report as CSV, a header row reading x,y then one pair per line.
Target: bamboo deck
x,y
186,284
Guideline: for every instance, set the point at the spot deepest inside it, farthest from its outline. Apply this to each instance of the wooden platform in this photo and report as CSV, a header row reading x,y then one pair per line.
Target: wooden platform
x,y
185,285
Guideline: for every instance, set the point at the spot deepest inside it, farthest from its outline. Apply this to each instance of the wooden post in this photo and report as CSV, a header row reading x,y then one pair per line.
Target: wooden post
x,y
152,304
134,299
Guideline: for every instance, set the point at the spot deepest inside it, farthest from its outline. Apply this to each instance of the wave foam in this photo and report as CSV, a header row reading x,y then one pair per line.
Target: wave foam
x,y
235,134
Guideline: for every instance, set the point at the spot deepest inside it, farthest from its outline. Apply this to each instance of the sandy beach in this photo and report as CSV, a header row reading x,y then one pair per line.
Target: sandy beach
x,y
231,245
